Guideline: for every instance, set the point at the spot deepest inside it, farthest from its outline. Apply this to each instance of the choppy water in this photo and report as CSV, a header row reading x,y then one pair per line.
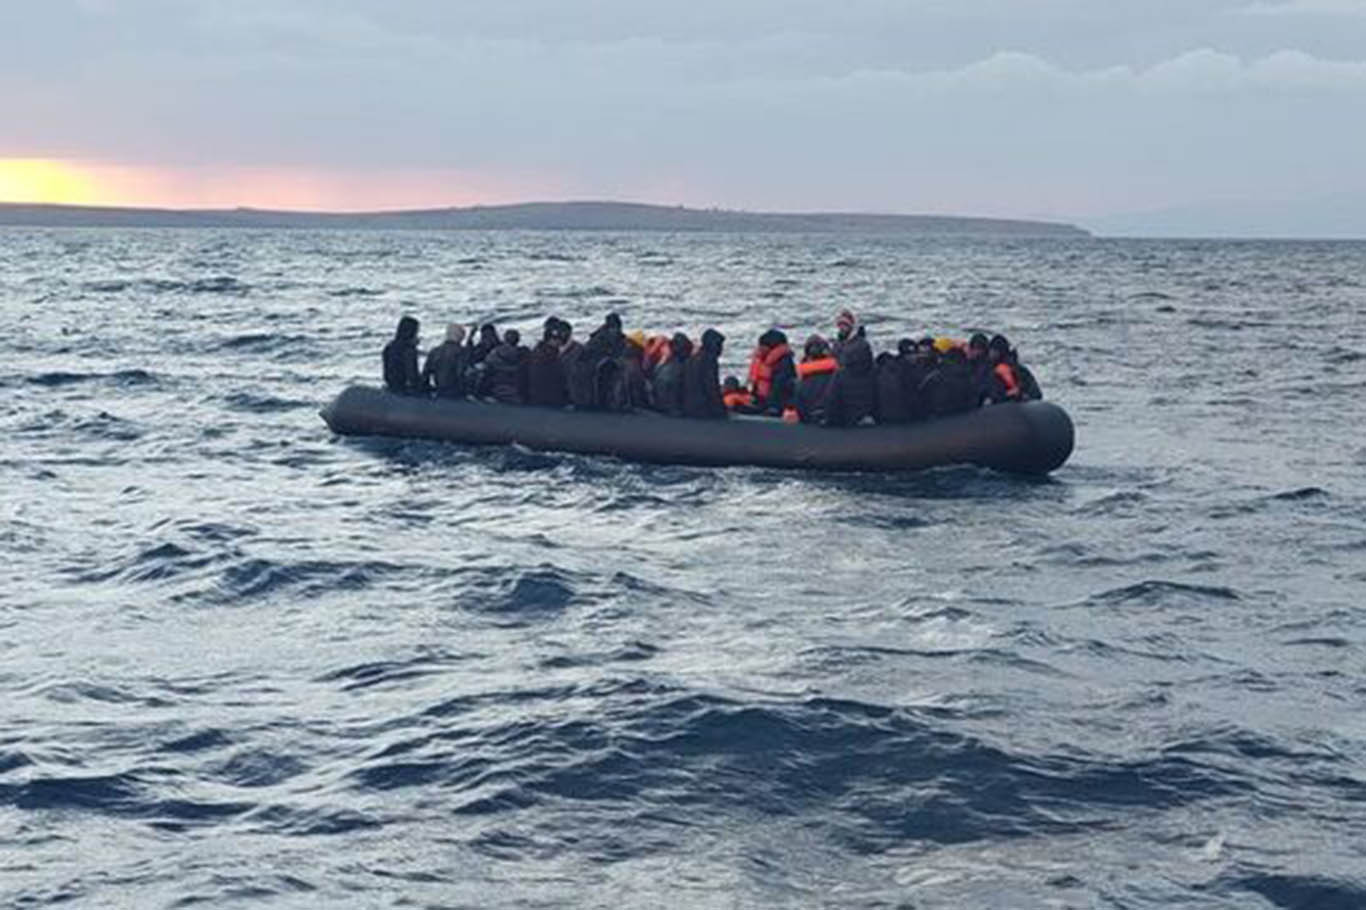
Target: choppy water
x,y
243,663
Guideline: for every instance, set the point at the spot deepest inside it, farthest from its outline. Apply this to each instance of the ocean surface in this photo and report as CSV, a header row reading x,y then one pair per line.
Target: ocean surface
x,y
244,663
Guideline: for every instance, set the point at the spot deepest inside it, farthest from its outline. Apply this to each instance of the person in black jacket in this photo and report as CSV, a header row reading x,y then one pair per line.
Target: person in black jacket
x,y
444,369
854,388
481,348
702,379
401,375
949,386
922,360
546,383
892,404
505,370
668,380
979,364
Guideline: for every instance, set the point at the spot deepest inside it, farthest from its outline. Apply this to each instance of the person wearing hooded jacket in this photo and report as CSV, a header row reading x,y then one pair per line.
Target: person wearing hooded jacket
x,y
592,373
772,373
702,379
1008,379
444,369
578,379
892,405
815,374
668,378
401,374
505,370
853,391
546,383
948,387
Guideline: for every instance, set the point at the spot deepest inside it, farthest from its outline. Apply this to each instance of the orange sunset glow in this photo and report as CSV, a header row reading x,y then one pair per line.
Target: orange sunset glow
x,y
75,182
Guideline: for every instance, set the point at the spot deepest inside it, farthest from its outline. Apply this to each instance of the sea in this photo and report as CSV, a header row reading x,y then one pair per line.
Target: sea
x,y
247,663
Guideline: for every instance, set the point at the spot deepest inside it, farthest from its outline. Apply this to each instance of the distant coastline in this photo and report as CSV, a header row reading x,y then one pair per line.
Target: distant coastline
x,y
546,216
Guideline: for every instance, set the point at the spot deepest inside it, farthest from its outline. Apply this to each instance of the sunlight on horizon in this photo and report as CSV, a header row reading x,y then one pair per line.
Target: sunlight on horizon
x,y
43,180
73,182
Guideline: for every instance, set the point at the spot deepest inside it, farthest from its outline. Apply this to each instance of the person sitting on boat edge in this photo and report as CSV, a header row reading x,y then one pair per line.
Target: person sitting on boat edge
x,y
702,379
1008,380
892,404
578,379
923,360
979,363
636,386
772,373
737,398
853,390
668,378
546,383
949,385
505,370
401,374
814,375
444,369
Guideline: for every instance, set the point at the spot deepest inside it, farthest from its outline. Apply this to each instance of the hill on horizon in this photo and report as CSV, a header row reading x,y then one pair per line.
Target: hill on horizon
x,y
588,216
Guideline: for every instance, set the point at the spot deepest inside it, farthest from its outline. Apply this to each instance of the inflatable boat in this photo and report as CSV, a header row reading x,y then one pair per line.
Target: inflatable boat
x,y
1030,438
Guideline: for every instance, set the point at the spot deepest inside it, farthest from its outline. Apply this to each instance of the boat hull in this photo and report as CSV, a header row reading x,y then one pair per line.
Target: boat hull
x,y
1031,438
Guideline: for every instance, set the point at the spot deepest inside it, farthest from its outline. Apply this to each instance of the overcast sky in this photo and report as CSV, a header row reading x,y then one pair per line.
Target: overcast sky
x,y
1070,108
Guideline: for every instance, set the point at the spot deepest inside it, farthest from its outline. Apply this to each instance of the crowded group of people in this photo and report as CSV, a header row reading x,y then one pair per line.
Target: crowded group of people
x,y
836,382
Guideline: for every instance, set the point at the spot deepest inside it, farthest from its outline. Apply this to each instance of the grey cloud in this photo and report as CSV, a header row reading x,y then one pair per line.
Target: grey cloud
x,y
1059,107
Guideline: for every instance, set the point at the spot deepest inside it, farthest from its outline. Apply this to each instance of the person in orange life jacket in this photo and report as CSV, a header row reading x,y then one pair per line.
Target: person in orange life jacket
x,y
401,375
814,376
737,398
854,389
702,380
1009,381
667,388
772,372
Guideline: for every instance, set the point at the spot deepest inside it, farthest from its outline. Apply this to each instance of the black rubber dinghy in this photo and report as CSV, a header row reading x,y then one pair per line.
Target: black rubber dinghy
x,y
1031,438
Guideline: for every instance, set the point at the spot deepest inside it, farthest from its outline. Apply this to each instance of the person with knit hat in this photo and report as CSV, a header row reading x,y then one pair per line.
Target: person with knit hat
x,y
444,369
846,329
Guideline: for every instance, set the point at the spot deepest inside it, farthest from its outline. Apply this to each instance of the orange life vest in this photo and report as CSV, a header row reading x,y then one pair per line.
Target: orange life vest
x,y
1006,373
817,367
761,368
740,398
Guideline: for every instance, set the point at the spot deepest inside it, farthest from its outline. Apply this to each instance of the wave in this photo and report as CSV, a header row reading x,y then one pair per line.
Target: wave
x,y
218,284
694,756
1300,892
1162,593
122,378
